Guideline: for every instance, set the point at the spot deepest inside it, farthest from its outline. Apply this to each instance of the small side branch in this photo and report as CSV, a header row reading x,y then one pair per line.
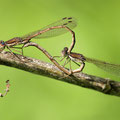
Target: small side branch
x,y
46,69
6,90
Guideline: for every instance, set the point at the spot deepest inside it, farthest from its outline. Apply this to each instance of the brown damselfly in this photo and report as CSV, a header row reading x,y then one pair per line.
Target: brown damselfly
x,y
80,60
57,28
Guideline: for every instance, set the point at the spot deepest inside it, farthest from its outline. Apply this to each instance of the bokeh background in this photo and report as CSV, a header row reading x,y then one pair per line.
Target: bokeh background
x,y
34,97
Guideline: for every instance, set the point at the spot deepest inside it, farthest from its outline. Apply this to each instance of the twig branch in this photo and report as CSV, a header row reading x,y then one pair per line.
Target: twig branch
x,y
6,90
46,69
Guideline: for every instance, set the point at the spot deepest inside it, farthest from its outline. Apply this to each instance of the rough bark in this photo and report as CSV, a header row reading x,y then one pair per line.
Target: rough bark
x,y
39,67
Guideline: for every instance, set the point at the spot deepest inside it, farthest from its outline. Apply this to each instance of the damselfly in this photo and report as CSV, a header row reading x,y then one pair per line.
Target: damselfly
x,y
79,58
57,28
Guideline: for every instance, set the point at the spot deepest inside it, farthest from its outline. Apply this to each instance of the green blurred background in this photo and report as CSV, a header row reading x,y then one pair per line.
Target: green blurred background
x,y
34,97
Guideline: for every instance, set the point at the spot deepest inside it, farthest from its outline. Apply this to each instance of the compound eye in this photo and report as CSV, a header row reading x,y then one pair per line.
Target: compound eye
x,y
2,45
2,42
64,52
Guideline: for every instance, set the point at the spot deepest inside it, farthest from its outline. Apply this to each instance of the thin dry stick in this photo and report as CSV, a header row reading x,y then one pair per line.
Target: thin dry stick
x,y
6,90
47,69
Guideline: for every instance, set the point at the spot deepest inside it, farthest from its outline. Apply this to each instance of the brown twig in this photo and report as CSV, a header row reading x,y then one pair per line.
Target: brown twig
x,y
6,90
46,69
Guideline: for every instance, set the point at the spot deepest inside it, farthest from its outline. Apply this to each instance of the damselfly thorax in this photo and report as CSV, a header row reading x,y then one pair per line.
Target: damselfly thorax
x,y
77,57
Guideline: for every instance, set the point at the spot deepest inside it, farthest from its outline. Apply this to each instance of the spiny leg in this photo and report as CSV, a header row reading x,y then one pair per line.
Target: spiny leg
x,y
22,49
57,57
14,48
13,53
66,61
18,48
70,67
24,46
62,59
19,51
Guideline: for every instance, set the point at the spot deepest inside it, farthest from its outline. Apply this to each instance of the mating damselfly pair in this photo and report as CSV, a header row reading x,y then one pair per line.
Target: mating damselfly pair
x,y
57,28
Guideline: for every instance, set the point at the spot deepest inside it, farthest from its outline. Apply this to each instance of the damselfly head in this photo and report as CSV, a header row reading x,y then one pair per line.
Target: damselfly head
x,y
64,52
2,45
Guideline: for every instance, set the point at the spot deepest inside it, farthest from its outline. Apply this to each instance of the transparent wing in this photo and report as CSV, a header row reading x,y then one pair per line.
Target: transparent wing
x,y
67,21
111,68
